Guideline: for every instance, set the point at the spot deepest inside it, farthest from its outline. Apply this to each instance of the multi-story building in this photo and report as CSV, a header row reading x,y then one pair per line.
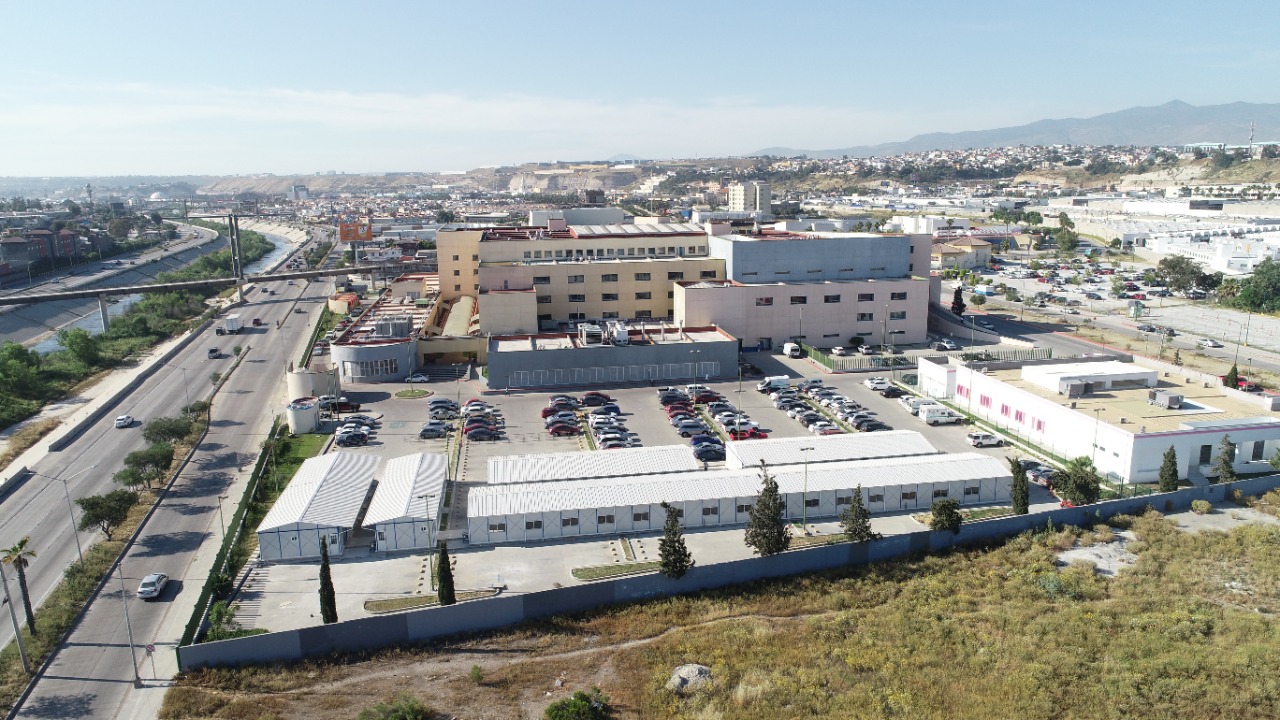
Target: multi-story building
x,y
750,196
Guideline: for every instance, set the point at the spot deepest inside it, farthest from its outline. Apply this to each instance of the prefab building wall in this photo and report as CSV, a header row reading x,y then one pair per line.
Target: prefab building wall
x,y
300,541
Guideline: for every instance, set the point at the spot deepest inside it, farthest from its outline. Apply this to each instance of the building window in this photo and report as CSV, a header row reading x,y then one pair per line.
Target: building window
x,y
866,297
528,255
541,279
642,276
611,277
1004,410
1039,426
475,258
909,495
898,315
708,511
577,298
547,317
1019,416
1206,454
708,275
679,512
811,503
875,498
372,368
457,288
764,302
844,501
643,296
533,525
799,300
863,334
455,258
671,294
609,314
544,299
939,494
604,519
675,276
577,316
984,401
865,317
569,522
971,490
456,273
830,335
497,527
646,314
898,296
640,517
577,279
744,509
830,299
609,297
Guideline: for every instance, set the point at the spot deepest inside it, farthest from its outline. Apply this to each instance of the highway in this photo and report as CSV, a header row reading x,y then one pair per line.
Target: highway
x,y
91,673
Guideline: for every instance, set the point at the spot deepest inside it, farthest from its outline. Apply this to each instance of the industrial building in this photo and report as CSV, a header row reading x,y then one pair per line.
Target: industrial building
x,y
531,512
777,452
321,504
591,464
405,511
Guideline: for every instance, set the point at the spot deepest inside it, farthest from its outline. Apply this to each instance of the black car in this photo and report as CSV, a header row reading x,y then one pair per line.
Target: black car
x,y
875,426
594,400
709,453
484,434
672,399
607,409
891,392
351,440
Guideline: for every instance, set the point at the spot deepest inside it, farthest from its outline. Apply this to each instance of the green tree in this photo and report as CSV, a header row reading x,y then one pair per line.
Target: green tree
x,y
1066,240
957,301
1179,273
581,706
445,216
168,429
119,228
1079,483
766,530
151,463
445,592
1232,378
1115,244
1019,490
328,597
978,300
156,219
1065,221
106,512
856,519
1226,456
1169,471
672,551
83,347
19,556
946,515
1033,218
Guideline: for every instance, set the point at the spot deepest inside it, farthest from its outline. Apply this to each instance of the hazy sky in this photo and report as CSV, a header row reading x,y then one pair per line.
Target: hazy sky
x,y
99,88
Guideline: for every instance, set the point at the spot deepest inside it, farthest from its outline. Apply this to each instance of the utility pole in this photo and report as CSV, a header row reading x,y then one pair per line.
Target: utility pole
x,y
17,630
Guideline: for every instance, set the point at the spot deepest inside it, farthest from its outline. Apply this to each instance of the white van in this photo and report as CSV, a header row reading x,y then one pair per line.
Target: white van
x,y
914,404
775,382
939,415
791,350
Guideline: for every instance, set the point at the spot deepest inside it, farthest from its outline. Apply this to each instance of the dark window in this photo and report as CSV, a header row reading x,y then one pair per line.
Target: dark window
x,y
863,317
642,276
533,525
866,297
710,511
708,274
908,496
498,527
830,299
576,279
611,277
456,273
569,522
844,500
544,299
455,258
939,493
971,491
1206,454
811,503
671,294
898,296
604,519
744,508
799,300
541,279
577,298
679,512
609,297
675,276
643,295
640,517
875,498
609,314
644,313
764,302
898,315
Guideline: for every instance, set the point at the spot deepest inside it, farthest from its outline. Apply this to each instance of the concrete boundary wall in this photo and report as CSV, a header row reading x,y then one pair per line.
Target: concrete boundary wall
x,y
428,624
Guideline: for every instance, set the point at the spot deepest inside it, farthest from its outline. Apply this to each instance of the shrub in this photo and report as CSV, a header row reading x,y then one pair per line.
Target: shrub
x,y
1201,507
581,706
402,707
476,674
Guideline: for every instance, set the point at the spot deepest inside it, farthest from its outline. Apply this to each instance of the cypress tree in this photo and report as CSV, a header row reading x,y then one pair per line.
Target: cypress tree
x,y
856,520
1232,378
1169,471
957,301
328,599
445,575
672,551
766,530
1226,456
1019,491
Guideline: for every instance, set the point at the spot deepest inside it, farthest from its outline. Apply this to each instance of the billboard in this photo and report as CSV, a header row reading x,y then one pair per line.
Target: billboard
x,y
359,231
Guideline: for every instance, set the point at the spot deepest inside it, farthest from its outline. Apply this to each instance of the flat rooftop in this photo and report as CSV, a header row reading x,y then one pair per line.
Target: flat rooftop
x,y
640,334
1200,404
418,311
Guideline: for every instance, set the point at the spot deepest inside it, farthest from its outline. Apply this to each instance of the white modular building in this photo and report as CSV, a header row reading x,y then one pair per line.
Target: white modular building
x,y
405,511
747,454
531,512
590,464
321,504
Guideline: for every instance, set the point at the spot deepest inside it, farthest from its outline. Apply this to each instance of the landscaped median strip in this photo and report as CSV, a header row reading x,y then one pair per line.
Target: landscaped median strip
x,y
599,572
399,604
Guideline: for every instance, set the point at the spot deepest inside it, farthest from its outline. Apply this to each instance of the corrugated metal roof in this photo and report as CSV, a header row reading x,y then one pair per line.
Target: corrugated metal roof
x,y
492,500
638,230
592,464
412,486
826,448
327,490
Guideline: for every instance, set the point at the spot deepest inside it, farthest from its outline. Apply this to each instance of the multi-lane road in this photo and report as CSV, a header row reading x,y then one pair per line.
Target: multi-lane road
x,y
92,672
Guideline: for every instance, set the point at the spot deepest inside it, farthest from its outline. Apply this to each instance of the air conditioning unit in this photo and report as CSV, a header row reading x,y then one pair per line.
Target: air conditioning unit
x,y
1124,420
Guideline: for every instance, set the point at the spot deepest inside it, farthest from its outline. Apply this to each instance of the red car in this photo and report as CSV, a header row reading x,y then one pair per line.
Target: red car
x,y
1138,296
678,409
708,397
597,393
553,409
831,431
748,434
561,430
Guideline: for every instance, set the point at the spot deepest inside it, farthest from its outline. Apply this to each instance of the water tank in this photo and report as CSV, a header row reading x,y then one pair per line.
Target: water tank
x,y
303,415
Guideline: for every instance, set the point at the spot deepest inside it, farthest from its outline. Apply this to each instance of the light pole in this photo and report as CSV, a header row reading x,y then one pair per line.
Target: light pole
x,y
75,533
13,615
696,354
431,538
124,598
222,523
804,497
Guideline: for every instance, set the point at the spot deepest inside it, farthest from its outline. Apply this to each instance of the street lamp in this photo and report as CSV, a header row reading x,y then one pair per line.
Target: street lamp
x,y
696,354
222,523
124,597
75,533
13,615
431,537
804,497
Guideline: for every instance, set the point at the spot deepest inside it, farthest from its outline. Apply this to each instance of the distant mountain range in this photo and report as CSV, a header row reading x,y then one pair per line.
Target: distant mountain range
x,y
1174,123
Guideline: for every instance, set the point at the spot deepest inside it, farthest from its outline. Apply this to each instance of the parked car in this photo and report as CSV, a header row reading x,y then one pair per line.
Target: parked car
x,y
891,392
830,431
563,430
709,453
748,434
705,440
1042,475
152,585
808,383
353,440
418,378
611,437
615,445
593,400
821,425
607,408
597,393
983,439
839,351
876,383
707,397
874,426
484,434
556,410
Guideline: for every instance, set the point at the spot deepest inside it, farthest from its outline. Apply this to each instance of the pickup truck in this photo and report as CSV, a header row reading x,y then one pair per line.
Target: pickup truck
x,y
338,404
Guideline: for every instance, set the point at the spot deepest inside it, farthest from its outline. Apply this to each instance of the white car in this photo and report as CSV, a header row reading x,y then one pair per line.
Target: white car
x,y
818,427
152,585
124,421
877,383
417,378
742,425
839,351
983,439
1208,343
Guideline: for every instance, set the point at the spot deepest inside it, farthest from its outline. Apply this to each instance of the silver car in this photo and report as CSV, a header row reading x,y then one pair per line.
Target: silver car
x,y
152,585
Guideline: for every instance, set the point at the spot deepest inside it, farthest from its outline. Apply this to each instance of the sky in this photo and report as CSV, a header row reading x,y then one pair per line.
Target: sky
x,y
283,87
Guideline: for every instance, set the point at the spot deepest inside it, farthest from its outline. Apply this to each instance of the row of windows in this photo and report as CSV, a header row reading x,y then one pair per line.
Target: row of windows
x,y
605,297
371,368
1019,416
610,252
613,277
833,299
474,271
475,258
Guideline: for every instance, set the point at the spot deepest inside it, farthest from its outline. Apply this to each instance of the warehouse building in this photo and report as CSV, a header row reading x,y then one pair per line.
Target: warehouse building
x,y
592,464
405,511
321,504
531,512
748,454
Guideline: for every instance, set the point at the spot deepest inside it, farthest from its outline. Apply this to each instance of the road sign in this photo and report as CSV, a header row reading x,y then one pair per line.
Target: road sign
x,y
150,649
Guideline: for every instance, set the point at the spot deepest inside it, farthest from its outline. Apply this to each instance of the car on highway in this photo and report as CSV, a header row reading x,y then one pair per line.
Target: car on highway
x,y
214,353
152,585
124,421
983,439
1208,343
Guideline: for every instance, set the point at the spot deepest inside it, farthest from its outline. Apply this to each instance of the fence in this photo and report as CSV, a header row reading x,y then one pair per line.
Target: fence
x,y
907,360
502,611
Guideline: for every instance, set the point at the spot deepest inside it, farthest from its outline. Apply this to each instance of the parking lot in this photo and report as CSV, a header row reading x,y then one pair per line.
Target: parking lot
x,y
282,596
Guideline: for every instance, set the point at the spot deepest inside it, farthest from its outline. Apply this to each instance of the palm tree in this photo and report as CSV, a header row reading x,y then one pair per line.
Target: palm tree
x,y
17,557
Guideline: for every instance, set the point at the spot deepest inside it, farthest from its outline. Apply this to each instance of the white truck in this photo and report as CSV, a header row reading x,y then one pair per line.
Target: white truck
x,y
914,404
773,383
791,350
939,415
232,325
